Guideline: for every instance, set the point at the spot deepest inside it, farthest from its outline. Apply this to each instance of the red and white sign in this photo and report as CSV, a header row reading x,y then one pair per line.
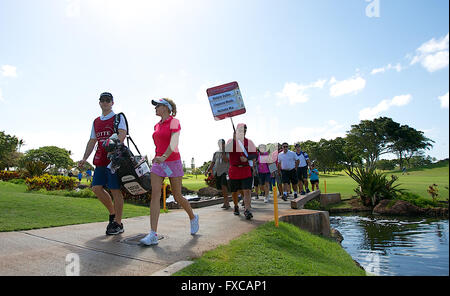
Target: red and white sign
x,y
226,100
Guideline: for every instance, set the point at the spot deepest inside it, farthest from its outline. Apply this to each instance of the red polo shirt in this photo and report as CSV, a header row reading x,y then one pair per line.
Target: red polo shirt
x,y
163,133
238,169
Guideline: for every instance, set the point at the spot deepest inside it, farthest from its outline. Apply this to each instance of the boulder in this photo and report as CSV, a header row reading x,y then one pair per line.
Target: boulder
x,y
186,191
399,208
208,191
336,235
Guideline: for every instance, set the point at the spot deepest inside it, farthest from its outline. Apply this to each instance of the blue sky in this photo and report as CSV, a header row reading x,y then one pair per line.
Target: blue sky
x,y
306,69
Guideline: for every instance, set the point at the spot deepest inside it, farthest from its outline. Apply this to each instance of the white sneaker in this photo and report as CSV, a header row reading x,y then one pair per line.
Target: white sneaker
x,y
194,225
266,199
150,239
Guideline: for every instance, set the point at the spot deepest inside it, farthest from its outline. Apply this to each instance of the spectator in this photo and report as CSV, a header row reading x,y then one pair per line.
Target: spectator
x,y
288,164
314,177
80,176
302,170
220,164
263,169
89,175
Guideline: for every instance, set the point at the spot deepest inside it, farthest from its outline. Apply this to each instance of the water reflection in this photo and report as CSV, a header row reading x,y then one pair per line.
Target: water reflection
x,y
396,246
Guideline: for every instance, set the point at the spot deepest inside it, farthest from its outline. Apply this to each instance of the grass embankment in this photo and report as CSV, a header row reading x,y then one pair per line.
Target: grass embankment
x,y
271,251
21,210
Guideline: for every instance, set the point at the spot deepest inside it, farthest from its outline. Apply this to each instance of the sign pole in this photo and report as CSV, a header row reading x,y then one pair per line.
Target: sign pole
x,y
232,123
275,204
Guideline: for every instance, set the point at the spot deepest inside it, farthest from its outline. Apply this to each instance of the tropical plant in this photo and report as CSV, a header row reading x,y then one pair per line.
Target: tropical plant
x,y
433,191
374,186
33,168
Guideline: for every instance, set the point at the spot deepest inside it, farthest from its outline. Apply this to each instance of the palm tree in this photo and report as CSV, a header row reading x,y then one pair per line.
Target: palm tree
x,y
20,144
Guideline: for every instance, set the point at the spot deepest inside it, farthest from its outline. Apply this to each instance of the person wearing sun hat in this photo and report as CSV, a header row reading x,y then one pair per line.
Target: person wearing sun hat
x,y
167,163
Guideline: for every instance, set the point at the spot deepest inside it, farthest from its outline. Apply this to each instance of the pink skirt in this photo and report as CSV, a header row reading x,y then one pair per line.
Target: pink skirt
x,y
169,169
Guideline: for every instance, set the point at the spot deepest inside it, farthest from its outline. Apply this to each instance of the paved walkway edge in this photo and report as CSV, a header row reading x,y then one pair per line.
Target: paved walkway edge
x,y
171,269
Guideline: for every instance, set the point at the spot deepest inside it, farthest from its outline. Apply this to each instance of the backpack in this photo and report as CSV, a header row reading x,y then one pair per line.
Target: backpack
x,y
133,171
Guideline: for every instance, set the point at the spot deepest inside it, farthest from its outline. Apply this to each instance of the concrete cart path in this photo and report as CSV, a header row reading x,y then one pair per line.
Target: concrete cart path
x,y
44,251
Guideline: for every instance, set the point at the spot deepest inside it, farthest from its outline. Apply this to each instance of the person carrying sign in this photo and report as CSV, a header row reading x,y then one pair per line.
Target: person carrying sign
x,y
242,154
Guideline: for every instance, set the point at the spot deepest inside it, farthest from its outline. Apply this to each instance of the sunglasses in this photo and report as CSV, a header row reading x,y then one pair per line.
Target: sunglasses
x,y
285,147
107,100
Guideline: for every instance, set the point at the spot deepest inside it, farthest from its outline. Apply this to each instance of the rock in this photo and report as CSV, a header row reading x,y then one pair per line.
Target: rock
x,y
437,212
336,235
186,191
399,208
82,186
208,191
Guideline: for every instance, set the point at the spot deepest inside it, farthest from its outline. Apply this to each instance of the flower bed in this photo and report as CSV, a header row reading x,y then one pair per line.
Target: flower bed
x,y
50,182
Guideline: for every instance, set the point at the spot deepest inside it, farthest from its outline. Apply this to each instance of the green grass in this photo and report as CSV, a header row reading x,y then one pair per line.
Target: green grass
x,y
271,251
416,181
193,182
21,210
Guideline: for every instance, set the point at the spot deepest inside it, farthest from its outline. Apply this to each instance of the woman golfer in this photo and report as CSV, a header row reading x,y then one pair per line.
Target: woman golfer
x,y
167,163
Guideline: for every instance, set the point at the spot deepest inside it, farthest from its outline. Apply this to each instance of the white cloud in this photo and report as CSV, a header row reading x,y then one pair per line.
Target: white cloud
x,y
9,71
444,101
401,100
73,8
397,67
330,130
350,86
1,96
433,54
378,70
296,92
437,61
371,113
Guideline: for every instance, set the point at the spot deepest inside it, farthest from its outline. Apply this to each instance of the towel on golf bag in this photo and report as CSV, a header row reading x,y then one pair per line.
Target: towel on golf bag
x,y
133,171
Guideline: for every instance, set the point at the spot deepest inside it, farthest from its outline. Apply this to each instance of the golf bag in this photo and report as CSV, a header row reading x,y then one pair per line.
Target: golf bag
x,y
133,171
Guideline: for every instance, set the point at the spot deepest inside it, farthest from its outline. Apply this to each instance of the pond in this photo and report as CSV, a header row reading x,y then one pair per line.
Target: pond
x,y
396,245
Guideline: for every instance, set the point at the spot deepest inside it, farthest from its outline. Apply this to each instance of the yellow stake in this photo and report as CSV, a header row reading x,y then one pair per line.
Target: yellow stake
x,y
164,196
275,204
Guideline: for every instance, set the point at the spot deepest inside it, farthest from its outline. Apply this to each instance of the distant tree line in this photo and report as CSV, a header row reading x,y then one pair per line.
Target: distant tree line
x,y
34,162
366,142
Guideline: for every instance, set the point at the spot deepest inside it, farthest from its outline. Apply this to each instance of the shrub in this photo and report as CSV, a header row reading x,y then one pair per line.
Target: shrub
x,y
17,181
417,200
50,182
374,186
433,191
313,205
9,175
